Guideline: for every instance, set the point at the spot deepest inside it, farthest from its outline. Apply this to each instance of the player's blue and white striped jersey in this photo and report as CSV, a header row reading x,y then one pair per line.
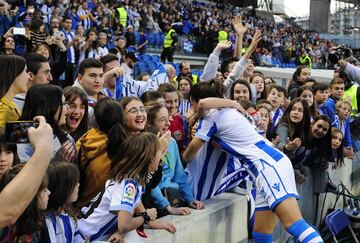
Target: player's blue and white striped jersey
x,y
235,135
100,219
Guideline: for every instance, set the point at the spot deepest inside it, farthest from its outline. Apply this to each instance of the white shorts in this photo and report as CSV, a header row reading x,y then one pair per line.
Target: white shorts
x,y
274,184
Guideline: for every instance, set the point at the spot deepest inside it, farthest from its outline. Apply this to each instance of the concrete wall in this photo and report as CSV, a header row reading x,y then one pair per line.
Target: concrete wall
x,y
224,220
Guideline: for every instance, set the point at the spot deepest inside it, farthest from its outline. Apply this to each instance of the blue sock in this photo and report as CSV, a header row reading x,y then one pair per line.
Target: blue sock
x,y
304,233
262,238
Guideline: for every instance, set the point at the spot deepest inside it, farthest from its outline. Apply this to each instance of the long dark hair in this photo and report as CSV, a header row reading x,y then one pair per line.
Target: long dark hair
x,y
313,109
32,219
338,153
207,89
301,129
63,178
71,94
11,67
110,119
134,156
45,100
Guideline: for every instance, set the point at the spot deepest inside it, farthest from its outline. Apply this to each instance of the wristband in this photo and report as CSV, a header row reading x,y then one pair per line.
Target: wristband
x,y
145,216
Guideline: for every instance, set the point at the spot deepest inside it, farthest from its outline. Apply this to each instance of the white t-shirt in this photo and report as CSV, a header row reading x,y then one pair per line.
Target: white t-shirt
x,y
100,219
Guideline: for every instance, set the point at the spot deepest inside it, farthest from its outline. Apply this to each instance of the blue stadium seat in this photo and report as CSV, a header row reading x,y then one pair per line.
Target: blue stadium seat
x,y
152,39
152,66
160,40
155,58
146,58
176,66
140,58
142,67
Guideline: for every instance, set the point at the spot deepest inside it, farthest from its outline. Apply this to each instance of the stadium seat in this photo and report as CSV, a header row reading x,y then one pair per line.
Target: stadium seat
x,y
142,67
155,58
152,39
146,58
152,66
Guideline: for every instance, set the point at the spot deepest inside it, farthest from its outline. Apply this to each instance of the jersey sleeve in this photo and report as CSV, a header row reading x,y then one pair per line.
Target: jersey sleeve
x,y
124,198
206,128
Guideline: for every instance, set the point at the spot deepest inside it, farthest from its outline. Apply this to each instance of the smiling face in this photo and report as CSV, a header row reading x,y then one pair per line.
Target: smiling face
x,y
241,92
304,74
135,116
171,102
75,114
161,122
297,113
319,128
337,91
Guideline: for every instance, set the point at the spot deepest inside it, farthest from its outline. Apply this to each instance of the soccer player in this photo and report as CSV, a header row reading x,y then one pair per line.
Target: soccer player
x,y
270,169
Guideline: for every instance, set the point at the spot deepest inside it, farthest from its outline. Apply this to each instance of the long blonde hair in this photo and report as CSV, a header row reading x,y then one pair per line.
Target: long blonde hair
x,y
134,156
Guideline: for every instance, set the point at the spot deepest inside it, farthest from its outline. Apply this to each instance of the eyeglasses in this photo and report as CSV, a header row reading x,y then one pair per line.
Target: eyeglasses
x,y
135,110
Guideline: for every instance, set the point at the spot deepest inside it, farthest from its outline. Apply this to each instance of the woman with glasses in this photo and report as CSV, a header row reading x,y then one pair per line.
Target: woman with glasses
x,y
48,101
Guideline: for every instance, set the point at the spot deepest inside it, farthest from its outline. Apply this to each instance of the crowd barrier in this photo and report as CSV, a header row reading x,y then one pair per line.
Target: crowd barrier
x,y
224,219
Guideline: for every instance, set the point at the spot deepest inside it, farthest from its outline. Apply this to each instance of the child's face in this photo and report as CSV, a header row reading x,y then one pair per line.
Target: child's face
x,y
343,111
74,194
297,113
276,98
43,198
161,122
171,102
6,161
241,92
336,140
320,128
321,96
308,96
337,91
264,119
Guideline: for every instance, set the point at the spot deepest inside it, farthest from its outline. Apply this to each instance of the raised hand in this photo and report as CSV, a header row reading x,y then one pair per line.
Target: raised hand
x,y
223,45
239,28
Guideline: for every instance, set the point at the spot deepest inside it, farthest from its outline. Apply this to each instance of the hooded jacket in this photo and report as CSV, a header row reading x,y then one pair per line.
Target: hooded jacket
x,y
94,164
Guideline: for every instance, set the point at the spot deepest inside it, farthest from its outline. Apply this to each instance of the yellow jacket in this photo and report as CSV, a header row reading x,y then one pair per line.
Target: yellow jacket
x,y
94,164
8,111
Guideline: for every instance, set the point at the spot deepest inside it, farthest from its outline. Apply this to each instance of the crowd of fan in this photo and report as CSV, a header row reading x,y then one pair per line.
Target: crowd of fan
x,y
197,23
102,136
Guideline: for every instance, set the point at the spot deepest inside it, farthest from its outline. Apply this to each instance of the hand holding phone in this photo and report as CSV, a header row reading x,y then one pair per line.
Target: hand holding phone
x,y
19,31
17,131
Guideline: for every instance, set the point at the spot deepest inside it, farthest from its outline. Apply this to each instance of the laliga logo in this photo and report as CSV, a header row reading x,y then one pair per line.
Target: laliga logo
x,y
130,190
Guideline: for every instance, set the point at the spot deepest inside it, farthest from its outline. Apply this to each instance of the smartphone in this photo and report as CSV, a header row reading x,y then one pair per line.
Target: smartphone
x,y
17,131
19,31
